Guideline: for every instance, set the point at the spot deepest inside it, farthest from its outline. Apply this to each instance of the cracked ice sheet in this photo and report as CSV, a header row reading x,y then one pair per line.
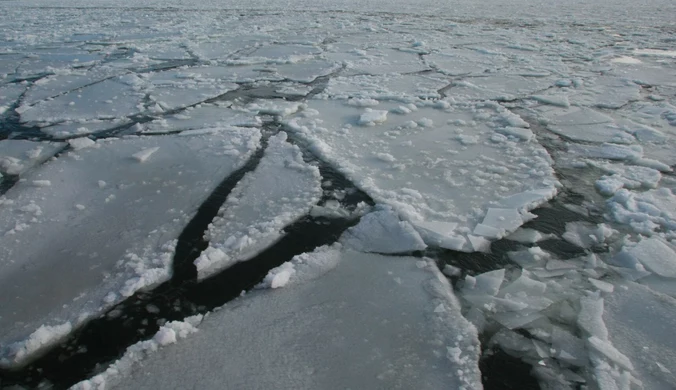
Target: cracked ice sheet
x,y
280,190
205,115
171,90
238,74
9,94
17,156
112,98
425,344
499,87
654,125
455,62
70,129
439,168
278,54
584,124
404,88
380,61
640,324
130,209
66,81
606,92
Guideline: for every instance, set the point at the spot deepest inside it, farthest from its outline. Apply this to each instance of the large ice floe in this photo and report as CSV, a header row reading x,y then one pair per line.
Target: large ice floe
x,y
397,327
90,228
524,149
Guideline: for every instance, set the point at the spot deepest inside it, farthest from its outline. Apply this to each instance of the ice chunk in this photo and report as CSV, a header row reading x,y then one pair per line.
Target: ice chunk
x,y
529,200
646,211
450,270
518,132
568,347
145,154
524,285
381,231
280,190
515,320
590,317
554,264
498,222
610,352
303,268
278,108
165,336
602,286
487,283
440,234
81,143
585,235
372,117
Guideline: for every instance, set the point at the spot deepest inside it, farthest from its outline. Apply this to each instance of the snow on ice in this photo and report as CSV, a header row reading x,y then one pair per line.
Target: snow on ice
x,y
116,238
279,191
457,127
396,325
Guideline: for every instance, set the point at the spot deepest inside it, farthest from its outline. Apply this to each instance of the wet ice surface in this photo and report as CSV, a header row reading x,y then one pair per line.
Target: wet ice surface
x,y
528,149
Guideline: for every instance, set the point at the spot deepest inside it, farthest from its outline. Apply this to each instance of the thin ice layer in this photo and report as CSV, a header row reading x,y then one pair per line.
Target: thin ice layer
x,y
379,322
107,224
282,189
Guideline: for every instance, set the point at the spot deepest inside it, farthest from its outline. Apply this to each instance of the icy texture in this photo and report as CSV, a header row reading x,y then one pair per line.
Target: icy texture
x,y
108,223
434,164
641,324
281,190
168,333
528,236
381,231
17,156
426,343
653,253
646,211
586,235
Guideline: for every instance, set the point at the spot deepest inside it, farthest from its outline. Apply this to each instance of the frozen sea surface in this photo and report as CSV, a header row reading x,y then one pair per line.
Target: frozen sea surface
x,y
152,151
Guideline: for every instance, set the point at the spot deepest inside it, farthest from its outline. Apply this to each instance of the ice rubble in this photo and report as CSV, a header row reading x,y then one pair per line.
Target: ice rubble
x,y
280,190
130,213
562,305
396,326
